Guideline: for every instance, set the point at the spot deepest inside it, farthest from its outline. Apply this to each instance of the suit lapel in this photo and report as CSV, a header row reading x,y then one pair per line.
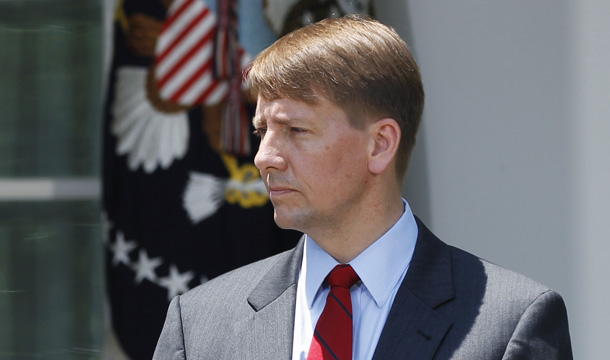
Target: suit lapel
x,y
268,333
414,329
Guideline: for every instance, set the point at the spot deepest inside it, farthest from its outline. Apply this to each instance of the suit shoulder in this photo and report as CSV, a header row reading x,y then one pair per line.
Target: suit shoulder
x,y
468,269
490,307
500,284
233,284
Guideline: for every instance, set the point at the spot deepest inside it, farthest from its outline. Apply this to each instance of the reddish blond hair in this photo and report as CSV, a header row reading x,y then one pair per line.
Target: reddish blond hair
x,y
356,62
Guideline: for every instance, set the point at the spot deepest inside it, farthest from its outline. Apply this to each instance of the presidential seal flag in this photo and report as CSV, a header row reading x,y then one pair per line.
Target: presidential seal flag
x,y
178,207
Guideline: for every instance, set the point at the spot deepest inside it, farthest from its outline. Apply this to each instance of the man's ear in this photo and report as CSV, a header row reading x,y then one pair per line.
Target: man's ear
x,y
385,139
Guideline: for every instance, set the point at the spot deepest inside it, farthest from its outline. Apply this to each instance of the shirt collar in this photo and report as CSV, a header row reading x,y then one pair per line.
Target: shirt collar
x,y
380,266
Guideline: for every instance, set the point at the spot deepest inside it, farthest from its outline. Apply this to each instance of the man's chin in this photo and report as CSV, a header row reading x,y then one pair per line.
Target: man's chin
x,y
288,222
282,222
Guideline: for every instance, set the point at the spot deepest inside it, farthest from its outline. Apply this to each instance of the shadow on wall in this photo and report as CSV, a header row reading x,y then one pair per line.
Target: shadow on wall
x,y
416,186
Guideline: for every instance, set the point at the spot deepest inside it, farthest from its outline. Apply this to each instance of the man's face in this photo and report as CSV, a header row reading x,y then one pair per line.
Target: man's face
x,y
313,162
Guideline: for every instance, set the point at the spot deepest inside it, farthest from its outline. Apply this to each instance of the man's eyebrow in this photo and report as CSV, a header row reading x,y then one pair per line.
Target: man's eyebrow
x,y
258,121
283,121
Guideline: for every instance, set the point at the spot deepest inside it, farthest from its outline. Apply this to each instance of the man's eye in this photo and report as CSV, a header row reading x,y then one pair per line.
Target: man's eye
x,y
260,132
297,130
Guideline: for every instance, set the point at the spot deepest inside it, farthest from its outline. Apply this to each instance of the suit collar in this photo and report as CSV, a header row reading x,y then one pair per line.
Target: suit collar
x,y
430,277
414,329
268,332
281,276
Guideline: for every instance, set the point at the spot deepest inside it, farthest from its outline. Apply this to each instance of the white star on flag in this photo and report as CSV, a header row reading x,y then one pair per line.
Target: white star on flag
x,y
176,283
145,267
121,250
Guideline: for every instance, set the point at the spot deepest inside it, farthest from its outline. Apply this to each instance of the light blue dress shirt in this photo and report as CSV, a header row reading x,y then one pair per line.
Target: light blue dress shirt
x,y
381,268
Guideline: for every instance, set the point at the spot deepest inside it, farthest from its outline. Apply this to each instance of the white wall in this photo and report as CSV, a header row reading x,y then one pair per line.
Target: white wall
x,y
513,158
591,127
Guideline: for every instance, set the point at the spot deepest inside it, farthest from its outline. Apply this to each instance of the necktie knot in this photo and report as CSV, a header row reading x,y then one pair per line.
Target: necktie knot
x,y
342,275
333,335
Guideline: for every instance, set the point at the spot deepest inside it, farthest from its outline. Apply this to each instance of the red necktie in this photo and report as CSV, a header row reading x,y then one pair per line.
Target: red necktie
x,y
334,333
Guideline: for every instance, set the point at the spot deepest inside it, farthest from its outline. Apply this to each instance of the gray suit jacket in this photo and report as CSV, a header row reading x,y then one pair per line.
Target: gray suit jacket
x,y
451,305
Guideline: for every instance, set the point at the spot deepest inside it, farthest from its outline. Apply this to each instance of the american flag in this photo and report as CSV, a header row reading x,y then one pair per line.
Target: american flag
x,y
185,55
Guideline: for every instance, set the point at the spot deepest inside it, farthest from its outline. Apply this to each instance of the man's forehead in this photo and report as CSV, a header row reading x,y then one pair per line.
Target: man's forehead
x,y
280,110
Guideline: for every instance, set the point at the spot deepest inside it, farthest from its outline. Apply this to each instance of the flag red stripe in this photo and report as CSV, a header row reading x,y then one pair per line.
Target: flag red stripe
x,y
194,77
200,44
182,35
209,90
176,14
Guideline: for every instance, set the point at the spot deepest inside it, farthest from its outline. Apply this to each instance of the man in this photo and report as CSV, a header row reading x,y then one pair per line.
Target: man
x,y
339,104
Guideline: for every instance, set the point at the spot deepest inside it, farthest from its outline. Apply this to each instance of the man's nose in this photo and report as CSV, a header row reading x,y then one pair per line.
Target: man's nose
x,y
269,155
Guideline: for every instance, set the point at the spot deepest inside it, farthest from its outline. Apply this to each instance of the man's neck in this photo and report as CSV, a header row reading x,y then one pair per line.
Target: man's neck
x,y
346,241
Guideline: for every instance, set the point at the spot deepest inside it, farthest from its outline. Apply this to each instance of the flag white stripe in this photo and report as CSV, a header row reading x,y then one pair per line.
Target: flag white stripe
x,y
195,35
183,69
187,71
192,11
218,94
197,88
